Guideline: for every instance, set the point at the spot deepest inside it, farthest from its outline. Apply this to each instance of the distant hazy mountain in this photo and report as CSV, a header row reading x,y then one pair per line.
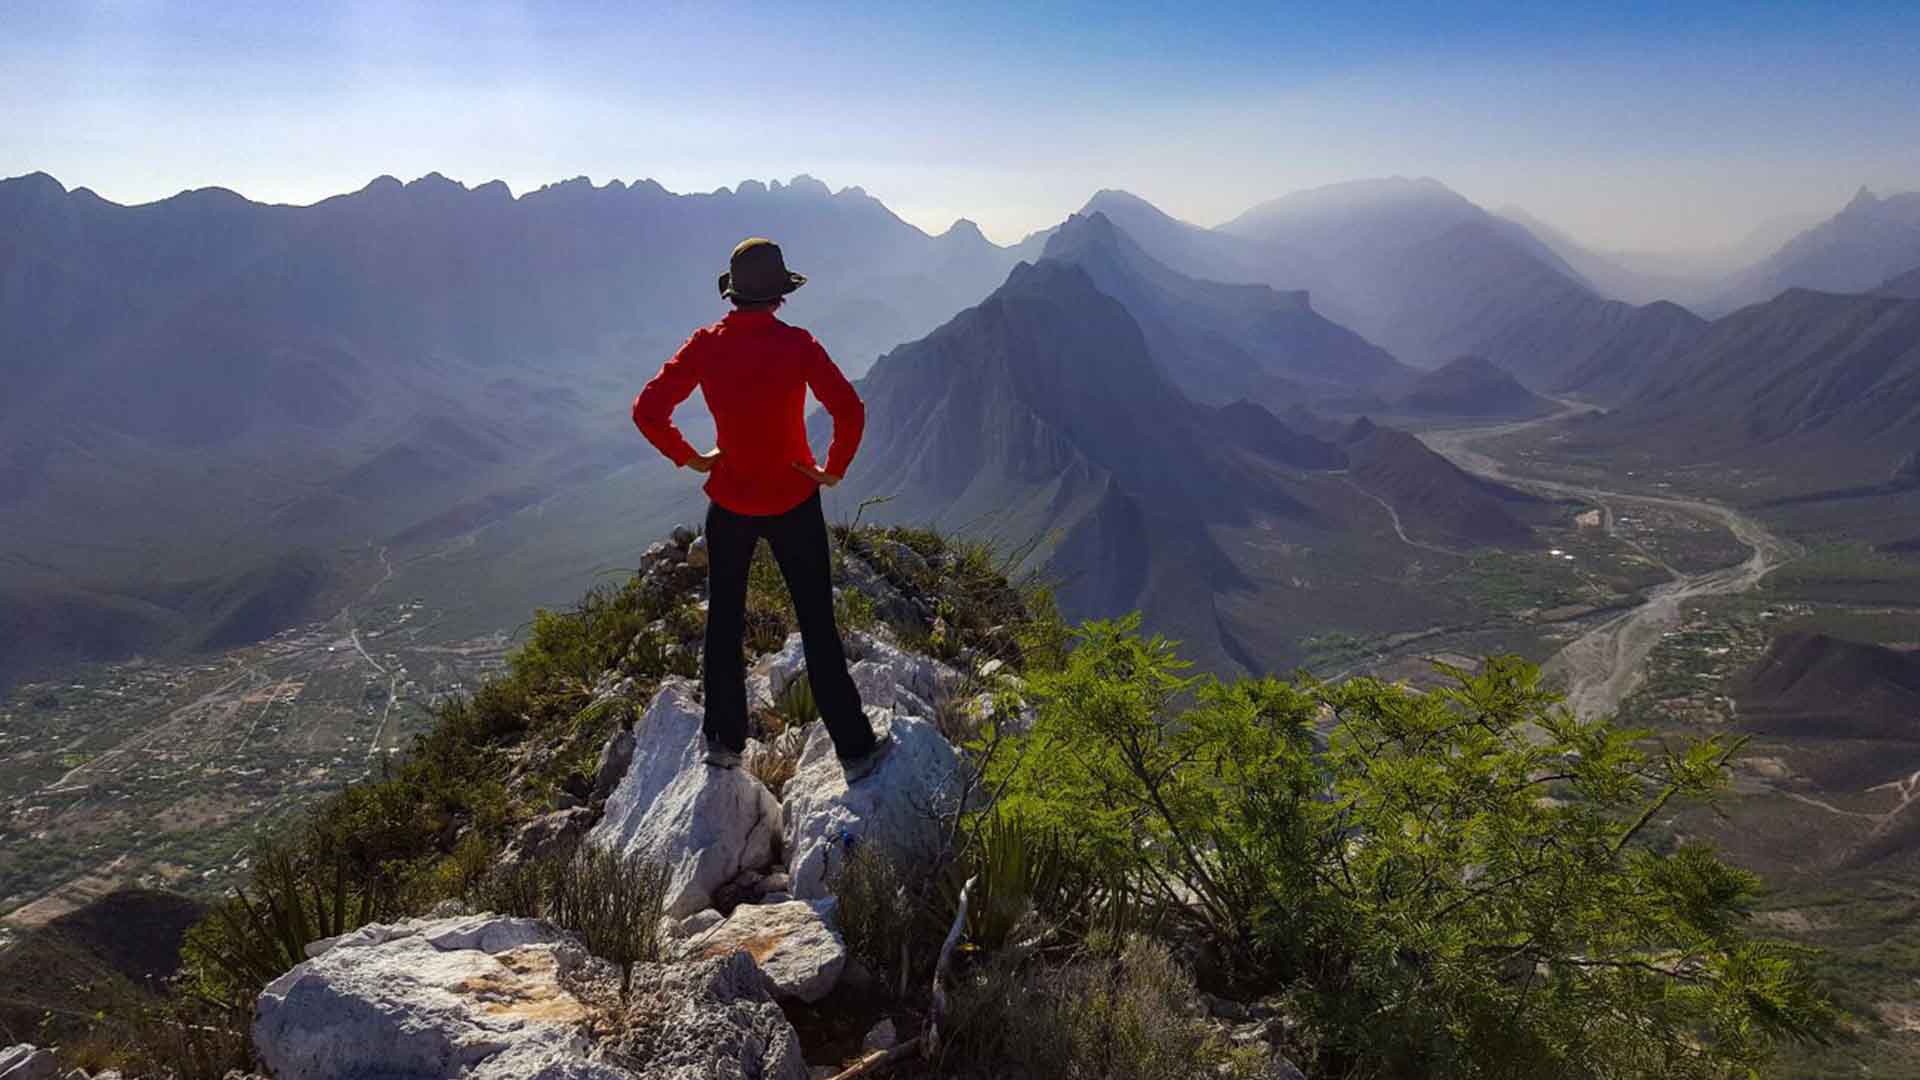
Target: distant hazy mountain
x,y
1220,342
1470,386
1820,389
1687,278
1870,240
1430,276
201,393
1044,415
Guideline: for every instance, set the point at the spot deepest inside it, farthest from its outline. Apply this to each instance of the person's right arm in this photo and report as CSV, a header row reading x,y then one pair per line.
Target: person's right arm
x,y
653,408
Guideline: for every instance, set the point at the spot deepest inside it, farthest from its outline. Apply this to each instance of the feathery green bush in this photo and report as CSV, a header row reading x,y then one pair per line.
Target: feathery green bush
x,y
1456,886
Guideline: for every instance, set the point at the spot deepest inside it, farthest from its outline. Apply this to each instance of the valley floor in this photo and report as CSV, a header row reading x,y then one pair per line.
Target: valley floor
x,y
1829,819
161,774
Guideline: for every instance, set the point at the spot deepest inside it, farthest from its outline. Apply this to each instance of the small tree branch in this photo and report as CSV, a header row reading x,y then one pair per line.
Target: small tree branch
x,y
937,1013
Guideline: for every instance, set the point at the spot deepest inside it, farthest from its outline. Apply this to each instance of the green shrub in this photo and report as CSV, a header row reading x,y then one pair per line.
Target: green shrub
x,y
612,903
1132,1016
885,925
1428,911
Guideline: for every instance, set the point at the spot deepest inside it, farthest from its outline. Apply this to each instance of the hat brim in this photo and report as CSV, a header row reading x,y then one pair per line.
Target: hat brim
x,y
727,290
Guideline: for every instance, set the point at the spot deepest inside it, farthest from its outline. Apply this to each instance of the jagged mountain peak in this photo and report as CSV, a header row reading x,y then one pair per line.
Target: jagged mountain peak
x,y
805,184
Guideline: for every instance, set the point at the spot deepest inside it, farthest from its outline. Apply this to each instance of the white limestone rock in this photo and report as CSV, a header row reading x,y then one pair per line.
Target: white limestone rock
x,y
794,943
706,825
25,1061
481,997
774,672
712,1020
900,806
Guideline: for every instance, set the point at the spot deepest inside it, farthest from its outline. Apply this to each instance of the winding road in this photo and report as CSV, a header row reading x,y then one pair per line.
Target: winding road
x,y
1602,666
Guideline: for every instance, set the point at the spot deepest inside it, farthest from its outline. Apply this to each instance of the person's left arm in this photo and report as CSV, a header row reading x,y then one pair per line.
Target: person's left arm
x,y
843,404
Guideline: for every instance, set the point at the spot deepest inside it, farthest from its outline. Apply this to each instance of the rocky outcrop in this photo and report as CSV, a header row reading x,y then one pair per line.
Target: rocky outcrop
x,y
477,997
899,807
25,1061
483,997
547,835
712,1020
794,943
706,825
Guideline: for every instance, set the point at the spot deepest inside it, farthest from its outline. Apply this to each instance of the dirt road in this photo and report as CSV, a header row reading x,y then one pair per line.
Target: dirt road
x,y
1603,665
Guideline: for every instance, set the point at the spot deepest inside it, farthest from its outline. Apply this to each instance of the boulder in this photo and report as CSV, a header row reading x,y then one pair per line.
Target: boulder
x,y
794,943
774,672
882,1036
889,603
477,997
712,1020
698,923
546,835
615,756
706,825
883,685
900,806
921,676
25,1061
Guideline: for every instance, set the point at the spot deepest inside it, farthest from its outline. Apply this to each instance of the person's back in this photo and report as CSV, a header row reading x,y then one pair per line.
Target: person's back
x,y
754,372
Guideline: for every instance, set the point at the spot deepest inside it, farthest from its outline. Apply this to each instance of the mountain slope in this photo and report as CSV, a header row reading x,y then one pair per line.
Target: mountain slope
x,y
1221,342
1043,417
1471,386
1869,241
1818,389
1905,286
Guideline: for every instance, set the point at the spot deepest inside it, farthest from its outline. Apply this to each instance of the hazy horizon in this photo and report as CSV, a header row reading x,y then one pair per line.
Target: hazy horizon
x,y
1642,128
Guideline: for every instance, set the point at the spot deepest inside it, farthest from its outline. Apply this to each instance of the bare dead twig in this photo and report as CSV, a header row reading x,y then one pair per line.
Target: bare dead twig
x,y
937,1013
878,1060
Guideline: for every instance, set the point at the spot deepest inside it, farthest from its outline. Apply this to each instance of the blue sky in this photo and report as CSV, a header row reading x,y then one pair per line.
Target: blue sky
x,y
1632,125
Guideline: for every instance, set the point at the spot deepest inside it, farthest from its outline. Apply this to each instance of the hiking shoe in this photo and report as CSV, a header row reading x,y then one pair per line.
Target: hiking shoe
x,y
858,769
720,757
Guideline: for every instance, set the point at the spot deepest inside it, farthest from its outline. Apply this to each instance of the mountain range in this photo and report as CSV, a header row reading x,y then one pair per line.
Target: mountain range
x,y
218,412
224,417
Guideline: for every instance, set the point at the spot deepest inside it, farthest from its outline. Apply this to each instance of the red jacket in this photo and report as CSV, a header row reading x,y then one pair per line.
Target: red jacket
x,y
754,371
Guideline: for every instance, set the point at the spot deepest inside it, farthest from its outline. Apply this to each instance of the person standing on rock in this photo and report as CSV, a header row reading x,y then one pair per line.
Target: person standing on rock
x,y
762,482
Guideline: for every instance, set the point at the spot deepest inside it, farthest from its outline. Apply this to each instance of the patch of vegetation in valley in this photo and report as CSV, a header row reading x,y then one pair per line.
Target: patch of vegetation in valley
x,y
152,773
1777,821
1846,572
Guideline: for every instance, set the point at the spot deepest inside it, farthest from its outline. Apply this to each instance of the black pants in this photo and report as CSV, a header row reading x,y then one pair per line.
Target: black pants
x,y
799,541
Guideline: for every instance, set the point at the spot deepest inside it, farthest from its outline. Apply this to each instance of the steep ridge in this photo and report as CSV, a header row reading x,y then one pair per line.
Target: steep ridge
x,y
1823,387
1042,416
1221,342
1869,241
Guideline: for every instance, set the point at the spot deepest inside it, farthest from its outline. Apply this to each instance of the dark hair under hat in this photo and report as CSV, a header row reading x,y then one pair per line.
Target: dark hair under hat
x,y
757,272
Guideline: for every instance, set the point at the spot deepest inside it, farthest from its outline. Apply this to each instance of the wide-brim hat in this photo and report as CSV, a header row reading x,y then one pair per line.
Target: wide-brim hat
x,y
757,272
